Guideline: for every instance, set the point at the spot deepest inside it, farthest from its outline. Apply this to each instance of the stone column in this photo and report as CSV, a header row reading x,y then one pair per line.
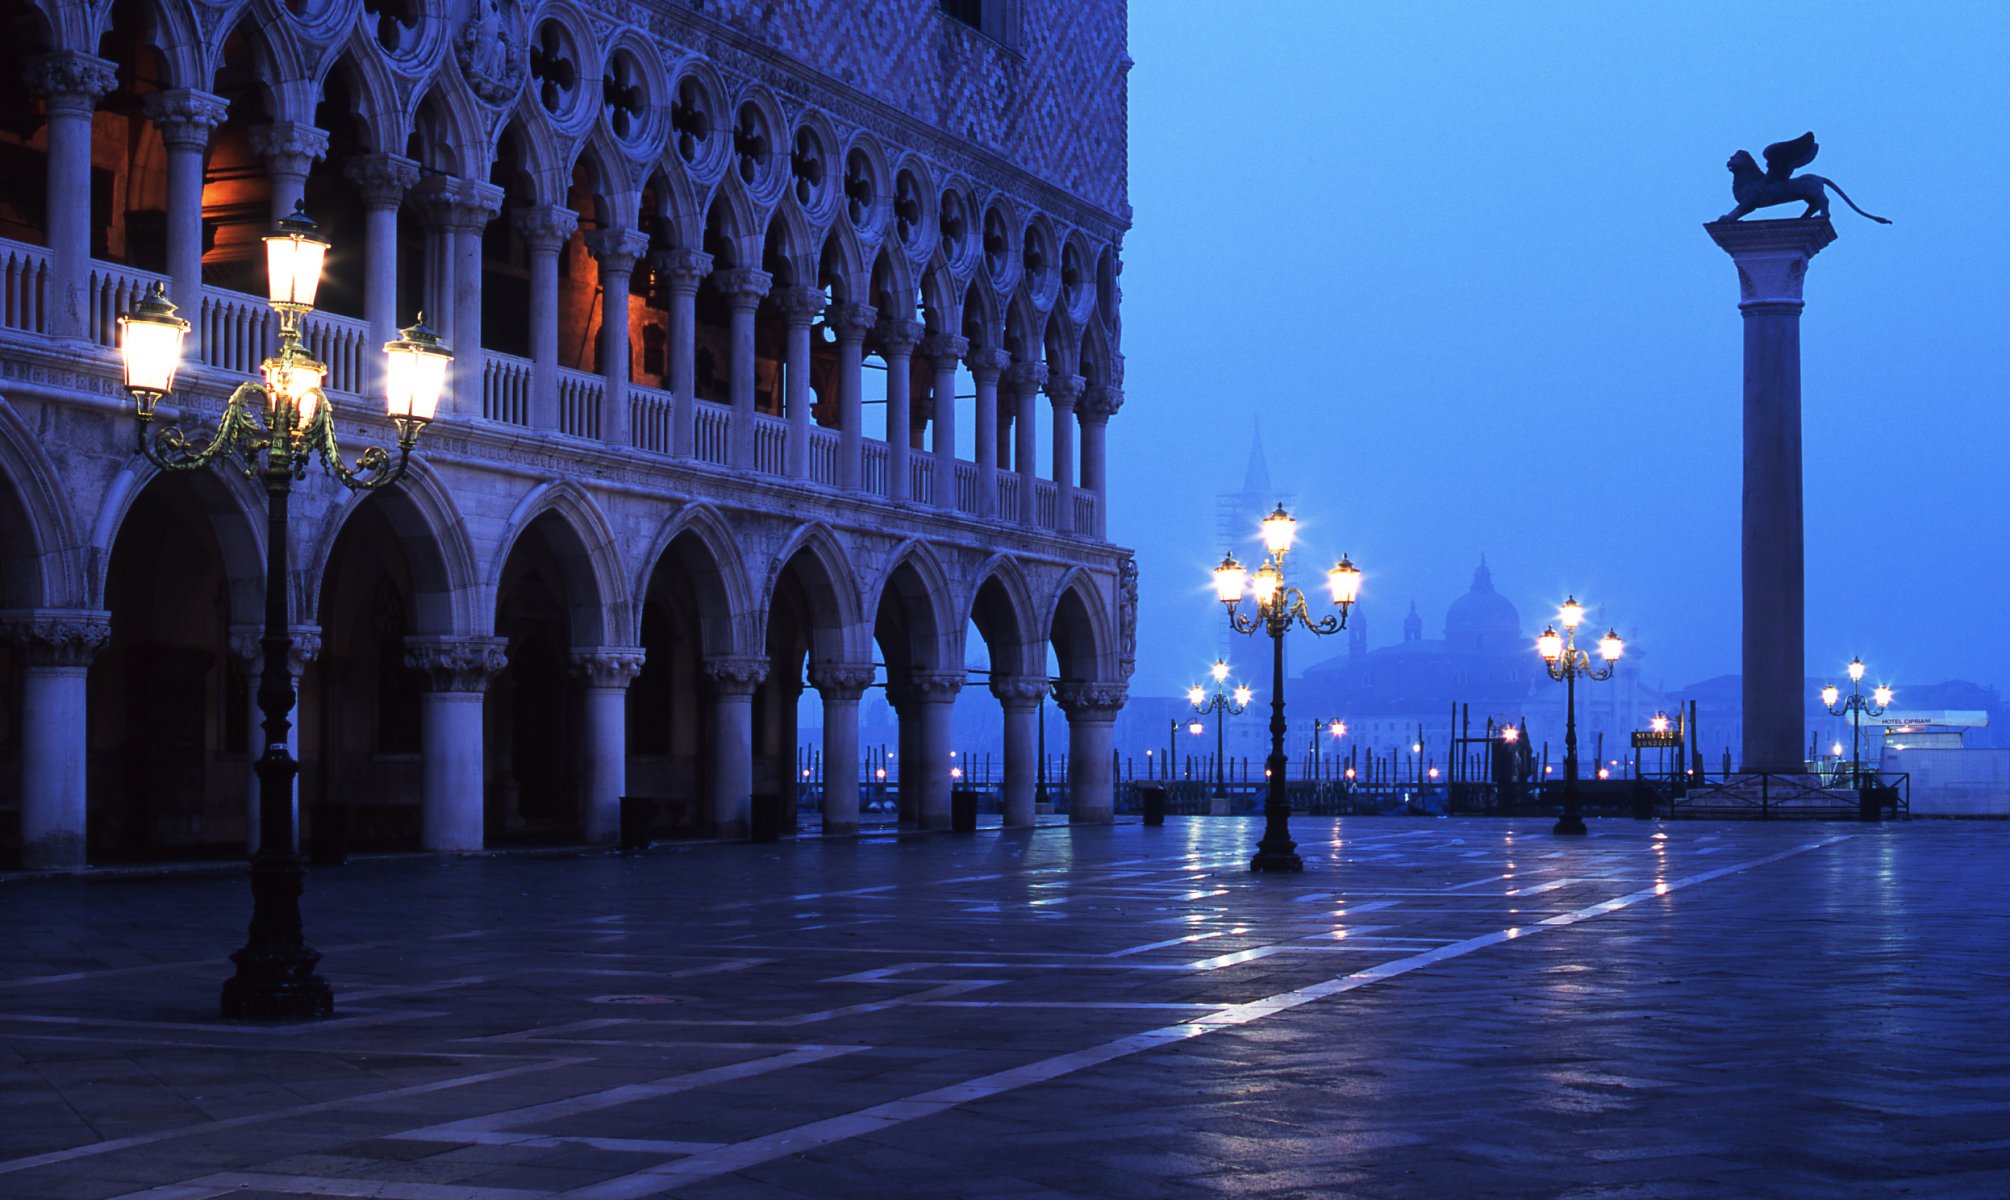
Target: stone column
x,y
733,684
244,646
616,250
1772,260
544,229
70,85
605,673
798,306
1025,379
1099,404
850,323
897,339
681,271
986,364
944,350
381,180
458,211
932,700
841,685
1092,717
57,647
290,150
742,289
457,671
1020,696
186,118
1064,392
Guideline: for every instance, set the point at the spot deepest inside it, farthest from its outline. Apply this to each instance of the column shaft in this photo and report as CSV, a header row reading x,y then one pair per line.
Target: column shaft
x,y
944,353
985,365
743,289
70,85
53,763
840,687
1020,698
733,684
681,271
544,230
850,322
798,307
617,251
897,340
1065,392
451,777
931,764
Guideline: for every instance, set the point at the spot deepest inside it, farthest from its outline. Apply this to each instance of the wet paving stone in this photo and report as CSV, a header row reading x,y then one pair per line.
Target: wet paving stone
x,y
1435,1008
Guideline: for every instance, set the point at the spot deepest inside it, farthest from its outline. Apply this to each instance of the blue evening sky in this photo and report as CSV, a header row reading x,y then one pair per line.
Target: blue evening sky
x,y
1452,254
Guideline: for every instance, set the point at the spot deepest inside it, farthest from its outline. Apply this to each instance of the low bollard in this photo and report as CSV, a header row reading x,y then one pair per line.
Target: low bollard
x,y
329,844
765,821
1154,800
637,819
963,810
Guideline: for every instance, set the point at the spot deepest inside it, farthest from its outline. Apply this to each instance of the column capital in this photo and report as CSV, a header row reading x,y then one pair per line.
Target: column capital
x,y
1018,691
185,116
1772,256
291,147
849,320
742,287
897,337
457,664
841,681
459,203
799,305
940,346
70,81
681,270
987,363
543,226
934,687
607,666
246,648
616,250
1101,402
736,676
1026,376
1091,701
381,179
1065,391
57,637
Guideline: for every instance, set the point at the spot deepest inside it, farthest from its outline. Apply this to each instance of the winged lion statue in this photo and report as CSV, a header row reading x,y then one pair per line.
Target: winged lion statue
x,y
1777,184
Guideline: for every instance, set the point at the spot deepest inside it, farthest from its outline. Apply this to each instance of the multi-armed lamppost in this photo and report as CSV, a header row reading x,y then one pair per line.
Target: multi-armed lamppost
x,y
1566,663
272,431
1224,703
1856,708
1278,607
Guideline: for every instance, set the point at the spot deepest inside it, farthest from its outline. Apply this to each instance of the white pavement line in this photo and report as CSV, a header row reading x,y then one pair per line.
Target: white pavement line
x,y
552,1141
1540,888
29,1163
367,1189
360,1021
176,1191
1178,941
952,988
664,1177
413,989
573,1106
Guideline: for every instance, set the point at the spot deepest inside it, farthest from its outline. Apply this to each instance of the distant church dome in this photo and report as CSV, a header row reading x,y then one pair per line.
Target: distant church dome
x,y
1483,619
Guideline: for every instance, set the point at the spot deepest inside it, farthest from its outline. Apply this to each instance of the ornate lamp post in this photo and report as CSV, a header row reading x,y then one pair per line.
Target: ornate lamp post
x,y
1222,704
272,431
1278,607
1337,729
1566,663
1856,708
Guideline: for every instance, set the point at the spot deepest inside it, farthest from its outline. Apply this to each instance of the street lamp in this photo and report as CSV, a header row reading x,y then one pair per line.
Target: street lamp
x,y
1225,702
1856,708
1566,663
1278,607
1335,728
287,419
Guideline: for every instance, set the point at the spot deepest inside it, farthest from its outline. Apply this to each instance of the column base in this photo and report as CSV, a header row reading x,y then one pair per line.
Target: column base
x,y
1270,859
277,987
1570,825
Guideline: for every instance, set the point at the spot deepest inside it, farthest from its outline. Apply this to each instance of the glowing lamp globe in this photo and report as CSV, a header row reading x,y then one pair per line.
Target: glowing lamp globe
x,y
1264,586
1242,696
1196,696
293,256
1610,647
1219,670
1856,670
1196,728
150,339
1571,614
1882,697
1831,694
1229,580
1550,645
1279,528
415,374
1344,581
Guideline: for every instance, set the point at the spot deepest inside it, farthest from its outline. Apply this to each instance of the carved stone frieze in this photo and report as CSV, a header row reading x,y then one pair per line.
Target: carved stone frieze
x,y
57,637
607,666
457,664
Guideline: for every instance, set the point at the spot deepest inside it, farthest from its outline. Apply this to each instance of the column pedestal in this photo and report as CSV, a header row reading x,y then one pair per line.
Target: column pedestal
x,y
457,671
58,646
1772,260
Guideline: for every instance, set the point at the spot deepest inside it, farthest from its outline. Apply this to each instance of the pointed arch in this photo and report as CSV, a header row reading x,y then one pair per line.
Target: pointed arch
x,y
38,538
825,571
700,540
450,133
228,500
1060,347
841,265
670,210
789,250
941,300
1002,608
911,620
892,289
1080,630
600,616
732,227
446,582
374,93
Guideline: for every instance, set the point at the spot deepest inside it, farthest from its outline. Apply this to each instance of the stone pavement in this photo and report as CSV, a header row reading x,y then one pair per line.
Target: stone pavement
x,y
1436,1008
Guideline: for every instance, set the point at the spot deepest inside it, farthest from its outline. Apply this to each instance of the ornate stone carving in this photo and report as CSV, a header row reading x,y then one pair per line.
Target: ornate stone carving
x,y
898,337
798,305
617,250
1101,402
850,321
1771,256
607,666
491,51
381,179
57,637
185,116
1092,701
987,363
288,147
742,287
457,664
736,676
544,226
934,687
69,81
1064,392
680,270
246,646
458,203
841,681
1018,691
940,346
1127,615
1025,377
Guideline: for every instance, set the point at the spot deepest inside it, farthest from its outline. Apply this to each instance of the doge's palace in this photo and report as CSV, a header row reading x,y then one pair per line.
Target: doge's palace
x,y
786,338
